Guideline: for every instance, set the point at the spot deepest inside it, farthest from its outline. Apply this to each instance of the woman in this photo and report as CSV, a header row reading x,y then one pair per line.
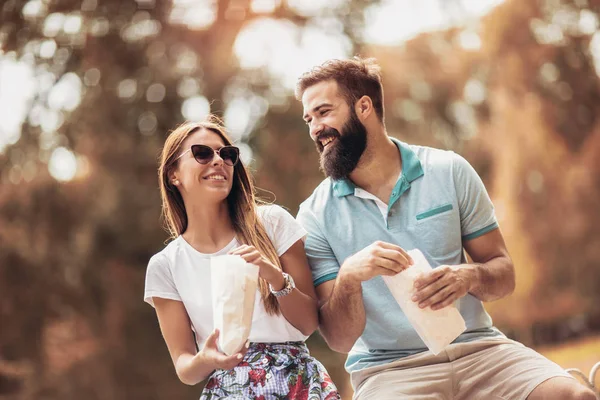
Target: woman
x,y
210,209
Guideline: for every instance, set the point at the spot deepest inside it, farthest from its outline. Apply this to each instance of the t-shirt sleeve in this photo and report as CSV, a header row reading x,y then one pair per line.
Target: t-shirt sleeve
x,y
477,215
281,227
323,263
159,280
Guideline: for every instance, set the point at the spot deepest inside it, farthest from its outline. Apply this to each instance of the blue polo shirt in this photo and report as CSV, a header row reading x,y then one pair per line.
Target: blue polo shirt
x,y
438,202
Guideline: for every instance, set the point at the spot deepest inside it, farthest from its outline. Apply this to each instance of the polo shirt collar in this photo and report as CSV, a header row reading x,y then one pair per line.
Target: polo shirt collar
x,y
411,165
343,187
411,170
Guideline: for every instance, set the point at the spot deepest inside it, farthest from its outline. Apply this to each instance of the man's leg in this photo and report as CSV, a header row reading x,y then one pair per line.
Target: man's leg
x,y
424,383
422,376
507,370
561,388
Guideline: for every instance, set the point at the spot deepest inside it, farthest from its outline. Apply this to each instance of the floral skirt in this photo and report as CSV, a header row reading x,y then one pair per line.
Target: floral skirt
x,y
271,371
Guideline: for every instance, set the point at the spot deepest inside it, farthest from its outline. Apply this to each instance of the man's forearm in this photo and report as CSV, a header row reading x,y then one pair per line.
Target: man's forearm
x,y
342,318
493,279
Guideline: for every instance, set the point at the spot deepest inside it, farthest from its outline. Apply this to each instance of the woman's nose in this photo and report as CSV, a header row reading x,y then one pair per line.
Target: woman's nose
x,y
217,160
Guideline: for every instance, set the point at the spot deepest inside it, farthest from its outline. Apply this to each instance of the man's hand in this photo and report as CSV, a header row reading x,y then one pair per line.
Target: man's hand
x,y
380,258
442,286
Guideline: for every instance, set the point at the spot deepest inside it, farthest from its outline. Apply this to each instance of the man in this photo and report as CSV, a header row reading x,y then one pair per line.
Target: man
x,y
381,198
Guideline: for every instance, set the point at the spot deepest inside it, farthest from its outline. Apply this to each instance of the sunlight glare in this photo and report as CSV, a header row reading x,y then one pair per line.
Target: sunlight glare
x,y
287,57
18,86
62,165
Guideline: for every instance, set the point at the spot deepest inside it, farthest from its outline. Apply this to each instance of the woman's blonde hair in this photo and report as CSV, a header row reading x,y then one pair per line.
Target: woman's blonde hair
x,y
242,202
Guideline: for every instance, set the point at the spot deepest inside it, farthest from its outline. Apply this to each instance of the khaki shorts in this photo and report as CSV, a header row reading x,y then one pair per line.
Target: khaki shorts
x,y
490,369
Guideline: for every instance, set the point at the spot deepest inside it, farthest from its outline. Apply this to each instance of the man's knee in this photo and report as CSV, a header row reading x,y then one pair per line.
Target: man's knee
x,y
583,393
577,391
563,389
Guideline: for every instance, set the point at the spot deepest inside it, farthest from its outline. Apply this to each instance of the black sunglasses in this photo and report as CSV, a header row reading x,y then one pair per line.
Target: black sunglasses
x,y
205,154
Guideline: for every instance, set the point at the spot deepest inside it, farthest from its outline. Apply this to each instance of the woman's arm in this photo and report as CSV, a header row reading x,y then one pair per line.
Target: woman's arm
x,y
191,366
300,306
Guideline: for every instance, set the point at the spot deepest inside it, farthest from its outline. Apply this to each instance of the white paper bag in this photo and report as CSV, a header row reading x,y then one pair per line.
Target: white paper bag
x,y
436,328
234,284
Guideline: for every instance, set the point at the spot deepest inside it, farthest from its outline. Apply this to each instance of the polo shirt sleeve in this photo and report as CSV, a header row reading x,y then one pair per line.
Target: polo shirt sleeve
x,y
159,280
323,263
477,215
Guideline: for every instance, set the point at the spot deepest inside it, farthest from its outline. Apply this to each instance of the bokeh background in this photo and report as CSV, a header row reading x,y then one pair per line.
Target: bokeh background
x,y
89,90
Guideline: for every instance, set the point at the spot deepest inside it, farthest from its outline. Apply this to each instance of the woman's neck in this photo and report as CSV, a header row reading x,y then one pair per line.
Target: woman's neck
x,y
209,227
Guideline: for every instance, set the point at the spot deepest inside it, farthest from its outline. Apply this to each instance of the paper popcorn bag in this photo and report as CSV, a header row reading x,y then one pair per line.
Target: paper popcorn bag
x,y
234,284
436,328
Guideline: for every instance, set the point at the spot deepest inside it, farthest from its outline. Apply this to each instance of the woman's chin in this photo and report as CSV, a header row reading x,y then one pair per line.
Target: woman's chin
x,y
217,193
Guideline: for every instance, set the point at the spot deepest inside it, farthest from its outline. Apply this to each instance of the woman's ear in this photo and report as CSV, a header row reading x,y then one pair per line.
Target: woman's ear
x,y
173,177
364,107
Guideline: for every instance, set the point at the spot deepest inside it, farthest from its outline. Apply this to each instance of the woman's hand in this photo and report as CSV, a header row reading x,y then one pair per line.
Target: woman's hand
x,y
267,270
211,355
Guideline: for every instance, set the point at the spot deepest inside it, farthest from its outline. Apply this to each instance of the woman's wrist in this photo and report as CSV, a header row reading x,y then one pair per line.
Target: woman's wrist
x,y
277,282
201,362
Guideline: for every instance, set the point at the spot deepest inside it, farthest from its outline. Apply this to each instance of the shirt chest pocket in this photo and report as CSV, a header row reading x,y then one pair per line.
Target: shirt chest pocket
x,y
434,213
437,229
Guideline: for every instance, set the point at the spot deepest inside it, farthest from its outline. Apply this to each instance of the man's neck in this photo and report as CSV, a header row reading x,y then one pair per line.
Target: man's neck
x,y
379,166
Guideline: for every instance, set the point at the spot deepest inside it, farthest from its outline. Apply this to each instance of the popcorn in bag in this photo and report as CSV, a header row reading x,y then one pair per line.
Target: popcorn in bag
x,y
234,283
437,328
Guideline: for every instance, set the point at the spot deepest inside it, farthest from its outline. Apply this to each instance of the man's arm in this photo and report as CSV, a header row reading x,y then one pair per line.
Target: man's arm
x,y
342,313
490,277
493,270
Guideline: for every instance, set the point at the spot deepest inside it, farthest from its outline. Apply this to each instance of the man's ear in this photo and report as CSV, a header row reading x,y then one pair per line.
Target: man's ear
x,y
363,107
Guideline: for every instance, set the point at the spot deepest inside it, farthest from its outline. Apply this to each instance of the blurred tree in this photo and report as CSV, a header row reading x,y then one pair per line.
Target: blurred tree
x,y
517,93
73,254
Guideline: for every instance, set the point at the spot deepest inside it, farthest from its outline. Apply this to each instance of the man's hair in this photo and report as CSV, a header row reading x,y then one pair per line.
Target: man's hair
x,y
355,77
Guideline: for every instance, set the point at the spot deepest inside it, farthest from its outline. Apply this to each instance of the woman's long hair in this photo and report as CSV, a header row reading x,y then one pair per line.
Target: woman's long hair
x,y
241,201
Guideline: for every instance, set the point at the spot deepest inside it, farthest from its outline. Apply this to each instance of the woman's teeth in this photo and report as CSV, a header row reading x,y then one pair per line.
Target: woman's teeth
x,y
216,177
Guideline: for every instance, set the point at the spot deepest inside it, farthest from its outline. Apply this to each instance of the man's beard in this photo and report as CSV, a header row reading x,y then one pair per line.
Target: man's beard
x,y
347,148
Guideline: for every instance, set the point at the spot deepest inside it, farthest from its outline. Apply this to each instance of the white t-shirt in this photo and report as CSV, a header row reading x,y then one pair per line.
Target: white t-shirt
x,y
180,272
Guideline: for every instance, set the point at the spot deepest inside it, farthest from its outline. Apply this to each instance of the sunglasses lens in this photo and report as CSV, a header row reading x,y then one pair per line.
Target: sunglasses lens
x,y
203,154
230,155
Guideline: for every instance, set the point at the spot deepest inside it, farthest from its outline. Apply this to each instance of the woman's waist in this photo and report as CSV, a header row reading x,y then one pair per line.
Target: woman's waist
x,y
274,330
295,347
270,356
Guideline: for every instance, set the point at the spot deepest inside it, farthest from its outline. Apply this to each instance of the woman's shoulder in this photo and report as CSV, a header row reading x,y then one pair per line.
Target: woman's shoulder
x,y
271,209
272,214
167,254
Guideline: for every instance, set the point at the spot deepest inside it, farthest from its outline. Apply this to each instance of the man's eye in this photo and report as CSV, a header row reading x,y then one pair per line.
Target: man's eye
x,y
323,112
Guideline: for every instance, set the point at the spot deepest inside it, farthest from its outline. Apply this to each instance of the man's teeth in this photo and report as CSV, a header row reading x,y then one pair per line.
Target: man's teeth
x,y
325,142
216,177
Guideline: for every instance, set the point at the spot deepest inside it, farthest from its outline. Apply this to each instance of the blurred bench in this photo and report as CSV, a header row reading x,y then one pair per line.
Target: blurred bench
x,y
588,381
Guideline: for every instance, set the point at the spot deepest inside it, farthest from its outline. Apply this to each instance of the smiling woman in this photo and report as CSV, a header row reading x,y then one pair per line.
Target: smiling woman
x,y
210,210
